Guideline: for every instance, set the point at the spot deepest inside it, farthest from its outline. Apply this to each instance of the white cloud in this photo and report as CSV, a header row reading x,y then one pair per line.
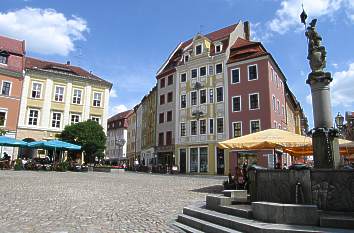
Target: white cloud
x,y
342,93
118,108
309,99
46,31
113,94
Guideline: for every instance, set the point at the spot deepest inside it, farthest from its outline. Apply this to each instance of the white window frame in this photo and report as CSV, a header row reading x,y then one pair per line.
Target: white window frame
x,y
38,118
93,99
222,68
206,71
278,106
5,120
206,126
196,98
73,96
74,114
239,76
2,86
274,103
196,123
283,110
248,72
197,73
232,103
233,128
195,49
180,104
223,94
40,91
185,129
209,125
223,125
216,45
260,126
97,117
249,101
213,96
200,96
60,122
180,77
184,58
55,93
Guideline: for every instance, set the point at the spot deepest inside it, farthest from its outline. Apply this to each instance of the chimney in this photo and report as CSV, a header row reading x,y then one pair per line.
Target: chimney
x,y
247,30
68,63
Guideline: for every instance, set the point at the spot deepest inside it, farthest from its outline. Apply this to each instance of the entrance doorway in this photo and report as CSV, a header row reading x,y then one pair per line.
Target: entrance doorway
x,y
220,161
182,160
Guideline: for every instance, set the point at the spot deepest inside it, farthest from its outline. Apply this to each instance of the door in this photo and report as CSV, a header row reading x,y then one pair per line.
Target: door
x,y
182,160
220,161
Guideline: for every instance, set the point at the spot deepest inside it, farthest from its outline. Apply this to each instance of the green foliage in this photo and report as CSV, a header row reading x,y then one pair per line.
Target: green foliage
x,y
90,135
2,132
18,164
62,166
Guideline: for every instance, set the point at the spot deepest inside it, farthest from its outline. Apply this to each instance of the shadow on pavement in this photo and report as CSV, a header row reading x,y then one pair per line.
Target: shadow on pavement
x,y
216,189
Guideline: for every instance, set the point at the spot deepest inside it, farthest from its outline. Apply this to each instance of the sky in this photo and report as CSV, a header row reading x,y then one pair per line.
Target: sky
x,y
126,42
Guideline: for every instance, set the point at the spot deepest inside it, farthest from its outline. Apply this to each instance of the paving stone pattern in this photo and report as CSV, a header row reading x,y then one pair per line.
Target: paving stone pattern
x,y
95,202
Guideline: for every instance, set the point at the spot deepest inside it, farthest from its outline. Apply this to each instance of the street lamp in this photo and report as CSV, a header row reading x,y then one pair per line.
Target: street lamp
x,y
339,120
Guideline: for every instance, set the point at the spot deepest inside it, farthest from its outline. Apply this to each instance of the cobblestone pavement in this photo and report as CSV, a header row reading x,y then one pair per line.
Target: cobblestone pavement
x,y
95,202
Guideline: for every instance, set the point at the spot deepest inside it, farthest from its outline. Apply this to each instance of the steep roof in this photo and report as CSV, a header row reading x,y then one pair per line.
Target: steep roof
x,y
12,45
34,63
244,49
121,115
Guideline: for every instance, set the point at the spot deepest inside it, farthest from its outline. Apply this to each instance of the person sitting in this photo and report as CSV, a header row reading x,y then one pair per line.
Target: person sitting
x,y
6,157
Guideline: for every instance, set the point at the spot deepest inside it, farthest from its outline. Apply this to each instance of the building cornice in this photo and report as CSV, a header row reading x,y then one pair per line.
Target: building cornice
x,y
14,74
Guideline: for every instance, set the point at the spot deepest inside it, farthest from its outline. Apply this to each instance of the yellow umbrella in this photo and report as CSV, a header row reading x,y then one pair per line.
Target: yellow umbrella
x,y
267,139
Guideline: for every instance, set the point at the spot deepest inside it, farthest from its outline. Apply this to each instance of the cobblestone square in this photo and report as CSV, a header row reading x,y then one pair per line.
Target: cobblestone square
x,y
95,202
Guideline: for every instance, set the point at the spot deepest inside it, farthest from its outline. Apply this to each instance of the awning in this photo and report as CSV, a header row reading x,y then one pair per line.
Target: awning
x,y
7,141
54,145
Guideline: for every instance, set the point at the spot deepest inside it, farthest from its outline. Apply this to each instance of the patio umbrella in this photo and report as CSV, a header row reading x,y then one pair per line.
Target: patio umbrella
x,y
54,144
7,141
267,139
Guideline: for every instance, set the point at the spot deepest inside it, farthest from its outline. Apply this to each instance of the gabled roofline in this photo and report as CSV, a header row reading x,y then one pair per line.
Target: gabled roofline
x,y
168,60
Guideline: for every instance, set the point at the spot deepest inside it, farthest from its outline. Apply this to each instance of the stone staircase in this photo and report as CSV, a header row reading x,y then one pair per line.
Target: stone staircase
x,y
219,215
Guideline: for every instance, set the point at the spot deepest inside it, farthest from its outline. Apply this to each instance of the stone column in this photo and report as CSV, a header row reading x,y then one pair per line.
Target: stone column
x,y
324,136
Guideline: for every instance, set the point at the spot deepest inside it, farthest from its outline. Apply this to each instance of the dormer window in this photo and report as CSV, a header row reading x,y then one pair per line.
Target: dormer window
x,y
198,49
4,57
218,48
186,58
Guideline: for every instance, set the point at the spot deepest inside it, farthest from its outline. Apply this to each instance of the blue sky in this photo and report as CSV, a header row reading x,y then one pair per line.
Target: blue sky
x,y
126,42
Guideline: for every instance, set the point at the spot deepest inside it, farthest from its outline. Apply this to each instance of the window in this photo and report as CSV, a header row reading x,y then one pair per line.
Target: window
x,y
211,96
193,159
162,83
203,96
194,73
36,90
278,106
211,70
275,124
2,118
3,59
198,49
252,72
95,118
161,118
186,58
254,101
193,127
235,76
193,98
237,129
203,159
220,125
169,97
162,99
183,101
161,139
211,126
218,48
202,126
270,161
170,80
273,102
183,129
218,68
75,118
168,137
272,73
202,71
6,87
219,94
255,126
183,77
169,116
77,96
236,103
33,117
59,94
97,99
283,110
56,119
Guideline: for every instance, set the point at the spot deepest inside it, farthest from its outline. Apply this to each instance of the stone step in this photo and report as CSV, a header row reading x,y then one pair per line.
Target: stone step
x,y
243,211
186,228
202,225
249,225
337,222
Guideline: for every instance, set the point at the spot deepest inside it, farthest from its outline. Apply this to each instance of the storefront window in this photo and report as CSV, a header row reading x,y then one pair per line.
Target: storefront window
x,y
194,160
203,153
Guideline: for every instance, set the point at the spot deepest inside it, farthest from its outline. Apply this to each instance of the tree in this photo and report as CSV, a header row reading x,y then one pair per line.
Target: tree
x,y
90,135
2,132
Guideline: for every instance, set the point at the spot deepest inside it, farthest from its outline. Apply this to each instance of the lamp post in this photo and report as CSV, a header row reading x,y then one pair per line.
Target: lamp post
x,y
324,135
339,120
